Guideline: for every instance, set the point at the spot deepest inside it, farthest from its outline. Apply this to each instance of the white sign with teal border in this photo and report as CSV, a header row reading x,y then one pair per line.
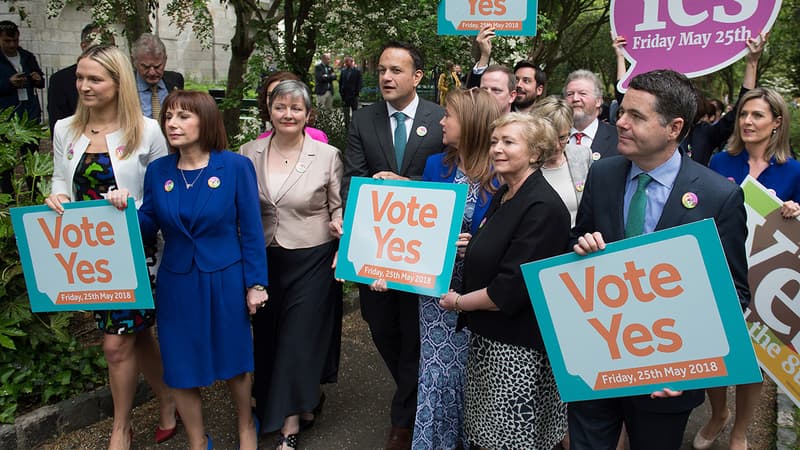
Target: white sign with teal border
x,y
654,311
467,17
89,258
403,232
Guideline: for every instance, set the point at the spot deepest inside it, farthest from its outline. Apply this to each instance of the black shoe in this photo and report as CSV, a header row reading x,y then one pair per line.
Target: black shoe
x,y
305,424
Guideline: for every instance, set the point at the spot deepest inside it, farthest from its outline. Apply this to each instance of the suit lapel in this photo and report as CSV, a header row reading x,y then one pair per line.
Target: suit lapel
x,y
304,161
421,119
614,188
384,133
674,212
214,169
169,173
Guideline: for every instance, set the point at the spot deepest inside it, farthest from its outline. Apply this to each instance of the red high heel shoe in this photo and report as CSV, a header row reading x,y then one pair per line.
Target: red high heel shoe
x,y
163,435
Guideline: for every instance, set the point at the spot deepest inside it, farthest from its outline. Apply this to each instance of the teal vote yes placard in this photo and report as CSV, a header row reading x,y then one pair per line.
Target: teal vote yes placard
x,y
657,310
403,232
91,257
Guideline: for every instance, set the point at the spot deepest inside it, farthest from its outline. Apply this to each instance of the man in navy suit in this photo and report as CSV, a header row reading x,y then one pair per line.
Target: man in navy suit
x,y
655,115
584,93
152,81
373,151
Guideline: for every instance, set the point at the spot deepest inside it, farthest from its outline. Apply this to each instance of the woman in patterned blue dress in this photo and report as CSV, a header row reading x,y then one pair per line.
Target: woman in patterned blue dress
x,y
443,351
106,146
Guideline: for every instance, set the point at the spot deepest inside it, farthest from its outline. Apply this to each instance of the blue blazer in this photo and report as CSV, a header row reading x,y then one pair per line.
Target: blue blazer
x,y
226,226
436,171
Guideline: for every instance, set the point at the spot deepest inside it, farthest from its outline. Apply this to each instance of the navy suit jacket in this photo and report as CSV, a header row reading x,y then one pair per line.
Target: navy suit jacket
x,y
226,225
370,149
605,140
62,95
601,209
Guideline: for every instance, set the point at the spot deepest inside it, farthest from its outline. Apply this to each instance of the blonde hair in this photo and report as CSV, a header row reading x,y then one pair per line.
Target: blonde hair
x,y
475,109
778,145
539,134
129,110
555,109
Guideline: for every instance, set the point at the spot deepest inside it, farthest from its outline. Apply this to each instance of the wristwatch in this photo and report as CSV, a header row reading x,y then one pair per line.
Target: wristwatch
x,y
258,287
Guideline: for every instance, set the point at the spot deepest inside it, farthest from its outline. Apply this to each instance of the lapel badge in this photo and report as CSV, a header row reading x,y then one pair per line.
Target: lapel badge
x,y
169,185
732,180
579,186
300,168
120,150
214,182
596,156
689,200
421,131
70,152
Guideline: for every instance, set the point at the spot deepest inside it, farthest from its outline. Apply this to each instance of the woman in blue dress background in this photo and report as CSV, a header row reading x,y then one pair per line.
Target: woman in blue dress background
x,y
204,199
443,351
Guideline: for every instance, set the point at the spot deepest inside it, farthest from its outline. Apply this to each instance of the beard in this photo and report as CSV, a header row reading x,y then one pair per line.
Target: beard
x,y
524,102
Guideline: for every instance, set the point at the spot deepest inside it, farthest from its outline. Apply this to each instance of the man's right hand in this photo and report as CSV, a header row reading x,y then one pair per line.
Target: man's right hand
x,y
589,243
484,41
18,80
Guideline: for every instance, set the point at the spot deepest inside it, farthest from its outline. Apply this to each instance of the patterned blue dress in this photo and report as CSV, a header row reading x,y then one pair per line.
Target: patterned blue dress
x,y
443,359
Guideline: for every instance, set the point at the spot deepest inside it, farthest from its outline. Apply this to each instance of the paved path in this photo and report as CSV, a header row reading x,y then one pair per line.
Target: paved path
x,y
355,414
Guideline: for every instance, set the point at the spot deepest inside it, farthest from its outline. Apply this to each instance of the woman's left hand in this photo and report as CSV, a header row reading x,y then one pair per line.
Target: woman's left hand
x,y
335,226
256,298
790,209
461,243
666,393
118,198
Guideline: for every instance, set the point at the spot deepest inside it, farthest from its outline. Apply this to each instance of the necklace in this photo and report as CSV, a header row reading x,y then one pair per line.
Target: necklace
x,y
96,130
281,154
189,185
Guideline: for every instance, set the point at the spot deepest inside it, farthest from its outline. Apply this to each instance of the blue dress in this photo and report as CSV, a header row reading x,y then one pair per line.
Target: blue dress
x,y
439,422
213,251
782,179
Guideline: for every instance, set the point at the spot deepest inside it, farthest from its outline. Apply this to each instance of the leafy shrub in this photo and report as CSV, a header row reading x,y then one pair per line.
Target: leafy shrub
x,y
331,121
40,361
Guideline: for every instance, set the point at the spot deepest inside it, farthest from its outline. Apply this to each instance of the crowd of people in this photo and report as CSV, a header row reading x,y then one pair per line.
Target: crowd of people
x,y
243,245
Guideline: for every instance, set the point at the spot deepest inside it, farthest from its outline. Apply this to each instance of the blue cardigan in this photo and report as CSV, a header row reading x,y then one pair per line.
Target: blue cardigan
x,y
784,178
436,171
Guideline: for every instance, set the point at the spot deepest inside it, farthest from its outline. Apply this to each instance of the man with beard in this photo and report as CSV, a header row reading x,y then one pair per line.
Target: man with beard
x,y
584,93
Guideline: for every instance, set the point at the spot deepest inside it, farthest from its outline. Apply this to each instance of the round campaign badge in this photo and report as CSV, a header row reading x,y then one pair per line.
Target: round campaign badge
x,y
120,150
689,200
300,168
579,186
214,182
596,156
169,185
421,131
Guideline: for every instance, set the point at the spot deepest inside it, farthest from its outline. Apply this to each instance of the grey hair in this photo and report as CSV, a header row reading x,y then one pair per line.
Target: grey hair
x,y
293,89
149,44
586,75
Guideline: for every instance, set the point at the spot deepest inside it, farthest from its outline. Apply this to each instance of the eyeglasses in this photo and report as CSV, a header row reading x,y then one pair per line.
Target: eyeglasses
x,y
564,138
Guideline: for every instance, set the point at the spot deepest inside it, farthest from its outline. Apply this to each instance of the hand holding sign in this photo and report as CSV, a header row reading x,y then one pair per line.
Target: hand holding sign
x,y
697,38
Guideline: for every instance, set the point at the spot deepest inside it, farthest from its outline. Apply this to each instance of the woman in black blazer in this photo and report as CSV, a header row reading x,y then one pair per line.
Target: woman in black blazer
x,y
511,395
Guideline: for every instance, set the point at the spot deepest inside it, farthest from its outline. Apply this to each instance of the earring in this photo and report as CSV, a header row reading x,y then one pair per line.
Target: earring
x,y
774,130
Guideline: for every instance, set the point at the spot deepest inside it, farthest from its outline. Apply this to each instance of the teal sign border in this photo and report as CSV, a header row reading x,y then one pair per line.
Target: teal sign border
x,y
740,361
346,270
40,302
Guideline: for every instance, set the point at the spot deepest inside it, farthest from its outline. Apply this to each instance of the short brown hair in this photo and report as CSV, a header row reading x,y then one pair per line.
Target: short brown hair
x,y
539,133
212,129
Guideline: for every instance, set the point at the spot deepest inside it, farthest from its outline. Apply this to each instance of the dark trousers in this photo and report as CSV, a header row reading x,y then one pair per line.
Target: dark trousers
x,y
596,425
349,106
393,319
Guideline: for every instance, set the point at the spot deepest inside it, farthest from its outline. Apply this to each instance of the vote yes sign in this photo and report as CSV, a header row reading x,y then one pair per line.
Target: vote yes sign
x,y
403,232
691,37
91,257
467,17
658,310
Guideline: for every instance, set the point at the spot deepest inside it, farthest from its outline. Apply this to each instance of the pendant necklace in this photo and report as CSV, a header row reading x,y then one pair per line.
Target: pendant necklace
x,y
282,155
189,185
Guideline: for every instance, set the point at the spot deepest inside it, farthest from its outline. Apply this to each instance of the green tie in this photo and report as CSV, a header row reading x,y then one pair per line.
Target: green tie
x,y
400,138
637,208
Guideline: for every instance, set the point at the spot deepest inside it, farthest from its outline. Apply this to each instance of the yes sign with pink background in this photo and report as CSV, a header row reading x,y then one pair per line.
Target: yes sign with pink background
x,y
692,37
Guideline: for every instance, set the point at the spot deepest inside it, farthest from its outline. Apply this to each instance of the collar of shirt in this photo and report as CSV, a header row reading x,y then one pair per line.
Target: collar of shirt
x,y
588,132
142,85
410,110
657,192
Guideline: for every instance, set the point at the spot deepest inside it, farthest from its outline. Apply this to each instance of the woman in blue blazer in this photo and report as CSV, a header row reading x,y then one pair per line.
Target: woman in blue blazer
x,y
204,200
443,350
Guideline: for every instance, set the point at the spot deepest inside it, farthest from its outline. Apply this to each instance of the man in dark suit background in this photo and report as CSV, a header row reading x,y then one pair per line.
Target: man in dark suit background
x,y
323,82
584,93
349,88
392,139
62,94
655,116
152,81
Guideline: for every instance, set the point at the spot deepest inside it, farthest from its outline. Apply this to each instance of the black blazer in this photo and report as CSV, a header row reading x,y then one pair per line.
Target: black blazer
x,y
62,95
349,83
532,225
605,140
173,80
601,209
369,143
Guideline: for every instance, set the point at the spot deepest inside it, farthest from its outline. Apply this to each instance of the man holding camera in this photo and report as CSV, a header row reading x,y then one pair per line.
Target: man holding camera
x,y
20,74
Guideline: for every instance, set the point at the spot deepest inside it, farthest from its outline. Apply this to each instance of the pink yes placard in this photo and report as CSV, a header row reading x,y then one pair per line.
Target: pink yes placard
x,y
692,37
